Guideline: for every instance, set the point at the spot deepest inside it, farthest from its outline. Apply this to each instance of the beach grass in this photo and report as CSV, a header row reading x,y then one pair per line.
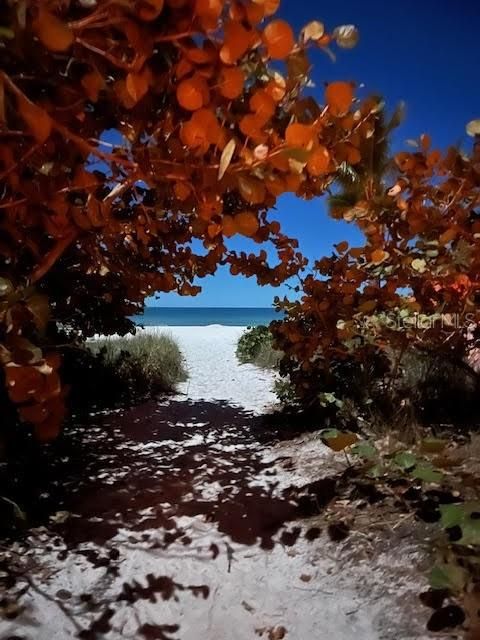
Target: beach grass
x,y
148,363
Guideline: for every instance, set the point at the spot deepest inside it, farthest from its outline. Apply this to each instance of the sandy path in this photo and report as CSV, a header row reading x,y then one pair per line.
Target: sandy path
x,y
184,525
214,371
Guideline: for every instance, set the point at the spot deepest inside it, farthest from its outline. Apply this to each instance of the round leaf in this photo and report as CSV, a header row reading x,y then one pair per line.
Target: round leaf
x,y
346,36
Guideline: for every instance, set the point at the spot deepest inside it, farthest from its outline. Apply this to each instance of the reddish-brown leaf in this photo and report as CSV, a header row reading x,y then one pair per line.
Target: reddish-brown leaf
x,y
339,96
36,118
278,38
54,34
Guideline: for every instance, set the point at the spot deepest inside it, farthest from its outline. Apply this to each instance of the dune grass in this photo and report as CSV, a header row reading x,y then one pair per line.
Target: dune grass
x,y
121,371
145,362
267,357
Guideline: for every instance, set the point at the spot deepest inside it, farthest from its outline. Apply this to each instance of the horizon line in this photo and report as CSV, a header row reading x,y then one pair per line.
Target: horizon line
x,y
207,307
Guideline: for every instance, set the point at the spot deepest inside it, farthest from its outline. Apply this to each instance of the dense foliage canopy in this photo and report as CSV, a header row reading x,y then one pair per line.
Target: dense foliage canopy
x,y
415,282
136,138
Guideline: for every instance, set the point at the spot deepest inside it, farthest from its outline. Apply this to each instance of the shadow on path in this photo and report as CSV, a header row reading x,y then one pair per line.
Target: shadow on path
x,y
145,502
157,462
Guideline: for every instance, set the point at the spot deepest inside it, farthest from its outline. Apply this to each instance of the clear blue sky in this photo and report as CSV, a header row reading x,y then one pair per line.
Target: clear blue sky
x,y
425,52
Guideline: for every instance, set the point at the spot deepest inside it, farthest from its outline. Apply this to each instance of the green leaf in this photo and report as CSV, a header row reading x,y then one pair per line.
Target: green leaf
x,y
364,450
376,471
451,515
467,517
471,531
427,473
327,398
448,576
405,460
329,433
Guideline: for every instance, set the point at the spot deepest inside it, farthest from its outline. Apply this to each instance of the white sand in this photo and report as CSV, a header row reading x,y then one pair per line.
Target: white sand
x,y
214,371
311,591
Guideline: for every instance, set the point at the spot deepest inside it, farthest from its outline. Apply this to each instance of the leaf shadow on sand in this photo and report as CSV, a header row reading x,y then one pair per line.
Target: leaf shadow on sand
x,y
140,473
158,462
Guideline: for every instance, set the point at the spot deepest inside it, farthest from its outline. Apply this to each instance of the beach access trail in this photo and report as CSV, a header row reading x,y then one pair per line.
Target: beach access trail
x,y
187,518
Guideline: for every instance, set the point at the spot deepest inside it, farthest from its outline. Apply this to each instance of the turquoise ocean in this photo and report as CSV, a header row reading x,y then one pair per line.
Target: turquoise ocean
x,y
204,316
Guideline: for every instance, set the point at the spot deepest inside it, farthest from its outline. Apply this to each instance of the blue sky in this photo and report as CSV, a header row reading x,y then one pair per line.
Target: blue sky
x,y
424,52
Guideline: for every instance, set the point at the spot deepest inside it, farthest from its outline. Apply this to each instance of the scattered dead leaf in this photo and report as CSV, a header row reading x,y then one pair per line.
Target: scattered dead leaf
x,y
247,607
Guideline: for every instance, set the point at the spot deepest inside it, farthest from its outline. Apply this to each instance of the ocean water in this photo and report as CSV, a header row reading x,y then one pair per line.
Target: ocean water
x,y
204,316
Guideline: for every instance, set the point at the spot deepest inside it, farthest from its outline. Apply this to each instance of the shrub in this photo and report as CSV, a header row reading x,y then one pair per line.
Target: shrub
x,y
111,371
412,287
386,391
285,393
146,363
256,347
441,389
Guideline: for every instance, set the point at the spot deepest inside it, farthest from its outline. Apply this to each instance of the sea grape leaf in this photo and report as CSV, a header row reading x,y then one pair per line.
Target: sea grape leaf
x,y
427,473
226,158
364,450
451,515
338,440
405,460
471,530
376,471
448,576
467,517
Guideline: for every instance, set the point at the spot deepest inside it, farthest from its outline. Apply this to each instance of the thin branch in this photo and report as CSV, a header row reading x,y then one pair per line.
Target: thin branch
x,y
128,66
172,37
85,146
100,14
12,203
